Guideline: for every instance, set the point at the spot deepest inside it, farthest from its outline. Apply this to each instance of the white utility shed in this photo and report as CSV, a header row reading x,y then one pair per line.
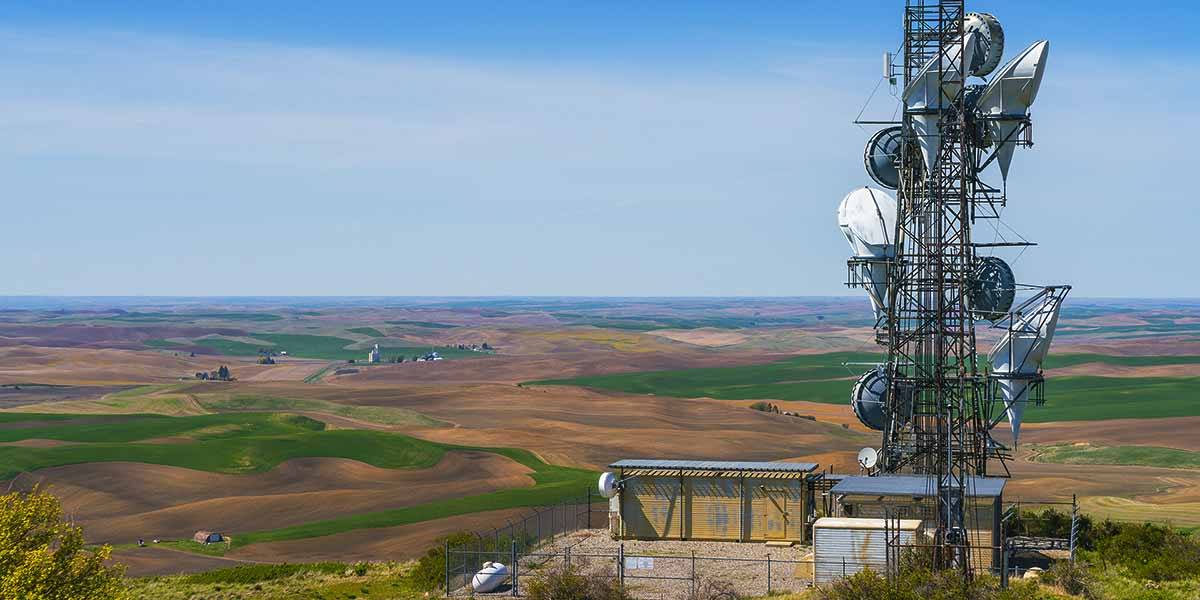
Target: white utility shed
x,y
845,546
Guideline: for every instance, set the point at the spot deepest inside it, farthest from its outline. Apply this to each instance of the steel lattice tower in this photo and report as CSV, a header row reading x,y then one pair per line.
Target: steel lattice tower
x,y
937,393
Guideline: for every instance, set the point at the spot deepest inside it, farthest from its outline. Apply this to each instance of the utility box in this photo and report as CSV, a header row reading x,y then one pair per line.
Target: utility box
x,y
844,546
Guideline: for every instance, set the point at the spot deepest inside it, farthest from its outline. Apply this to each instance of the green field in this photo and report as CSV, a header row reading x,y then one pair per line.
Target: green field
x,y
811,378
158,317
162,344
321,346
425,324
1087,454
367,331
256,442
383,415
1098,398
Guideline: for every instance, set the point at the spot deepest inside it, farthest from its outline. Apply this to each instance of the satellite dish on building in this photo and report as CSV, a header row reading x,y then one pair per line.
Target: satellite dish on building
x,y
868,457
993,288
882,157
609,486
1007,99
989,42
867,217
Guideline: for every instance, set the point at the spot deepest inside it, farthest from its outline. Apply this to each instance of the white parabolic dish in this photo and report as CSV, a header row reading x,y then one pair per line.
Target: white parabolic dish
x,y
490,577
608,484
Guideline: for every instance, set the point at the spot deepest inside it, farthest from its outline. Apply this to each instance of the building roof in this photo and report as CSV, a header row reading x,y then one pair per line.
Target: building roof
x,y
915,485
715,465
848,523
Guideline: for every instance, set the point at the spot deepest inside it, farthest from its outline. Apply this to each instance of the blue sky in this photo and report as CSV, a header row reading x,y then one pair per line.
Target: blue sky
x,y
602,148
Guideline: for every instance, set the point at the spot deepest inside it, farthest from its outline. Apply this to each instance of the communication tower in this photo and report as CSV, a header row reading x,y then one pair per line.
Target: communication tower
x,y
930,281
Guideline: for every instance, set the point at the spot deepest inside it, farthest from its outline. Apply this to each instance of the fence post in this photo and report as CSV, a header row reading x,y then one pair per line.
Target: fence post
x,y
768,574
589,508
621,563
513,566
447,567
693,573
1074,526
539,518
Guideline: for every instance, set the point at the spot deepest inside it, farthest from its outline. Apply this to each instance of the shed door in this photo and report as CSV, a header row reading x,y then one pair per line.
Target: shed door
x,y
653,507
776,514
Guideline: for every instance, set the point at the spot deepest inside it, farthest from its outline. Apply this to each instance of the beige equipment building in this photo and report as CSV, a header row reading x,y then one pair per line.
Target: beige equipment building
x,y
915,497
712,500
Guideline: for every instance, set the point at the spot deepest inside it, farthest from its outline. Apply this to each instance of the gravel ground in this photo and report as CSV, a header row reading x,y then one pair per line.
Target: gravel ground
x,y
596,552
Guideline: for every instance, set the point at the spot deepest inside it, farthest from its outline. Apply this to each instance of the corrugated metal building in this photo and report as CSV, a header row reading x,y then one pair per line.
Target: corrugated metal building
x,y
843,546
915,497
712,500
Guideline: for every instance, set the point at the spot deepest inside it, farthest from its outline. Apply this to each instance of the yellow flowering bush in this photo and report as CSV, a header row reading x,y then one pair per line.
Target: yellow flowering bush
x,y
43,558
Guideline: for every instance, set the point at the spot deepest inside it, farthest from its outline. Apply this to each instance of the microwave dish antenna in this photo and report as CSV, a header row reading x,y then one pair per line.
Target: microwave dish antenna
x,y
989,42
882,157
868,457
993,288
608,484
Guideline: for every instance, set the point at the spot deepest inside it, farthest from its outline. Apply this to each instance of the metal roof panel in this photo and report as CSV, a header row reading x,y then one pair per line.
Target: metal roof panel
x,y
915,485
715,465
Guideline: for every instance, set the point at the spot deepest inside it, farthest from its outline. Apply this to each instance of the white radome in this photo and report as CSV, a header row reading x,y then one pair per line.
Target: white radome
x,y
1010,94
867,217
490,577
930,90
1020,353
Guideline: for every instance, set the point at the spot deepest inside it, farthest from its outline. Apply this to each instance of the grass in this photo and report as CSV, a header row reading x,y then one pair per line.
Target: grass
x,y
383,415
367,331
283,582
1088,454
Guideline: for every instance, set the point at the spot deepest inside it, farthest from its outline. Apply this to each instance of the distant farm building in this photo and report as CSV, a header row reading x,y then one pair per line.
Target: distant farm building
x,y
374,356
207,537
712,500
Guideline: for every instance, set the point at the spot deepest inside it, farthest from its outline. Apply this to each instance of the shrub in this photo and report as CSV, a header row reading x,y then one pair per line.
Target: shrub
x,y
765,407
924,584
1154,552
429,574
1077,580
564,582
712,589
247,574
42,557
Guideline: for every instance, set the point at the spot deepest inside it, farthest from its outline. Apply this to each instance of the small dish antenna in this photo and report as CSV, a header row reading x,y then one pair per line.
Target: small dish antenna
x,y
609,486
989,42
882,157
868,457
993,288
